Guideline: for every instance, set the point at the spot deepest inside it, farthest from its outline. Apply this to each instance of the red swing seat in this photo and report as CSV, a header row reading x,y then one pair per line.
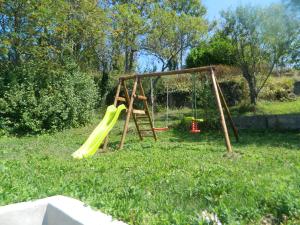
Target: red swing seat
x,y
194,127
160,128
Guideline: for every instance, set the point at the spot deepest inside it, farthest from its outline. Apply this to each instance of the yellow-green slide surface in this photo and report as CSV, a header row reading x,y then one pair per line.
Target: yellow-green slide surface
x,y
92,144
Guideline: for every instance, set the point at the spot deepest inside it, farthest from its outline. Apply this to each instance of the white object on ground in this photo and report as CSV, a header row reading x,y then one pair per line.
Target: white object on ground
x,y
210,218
56,210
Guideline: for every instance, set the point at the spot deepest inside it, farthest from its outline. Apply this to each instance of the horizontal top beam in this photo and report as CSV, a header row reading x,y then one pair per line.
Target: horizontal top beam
x,y
169,73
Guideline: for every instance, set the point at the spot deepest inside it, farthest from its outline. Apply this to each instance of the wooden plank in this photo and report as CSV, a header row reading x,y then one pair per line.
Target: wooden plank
x,y
134,118
223,123
140,97
142,117
168,73
234,128
138,111
144,123
121,99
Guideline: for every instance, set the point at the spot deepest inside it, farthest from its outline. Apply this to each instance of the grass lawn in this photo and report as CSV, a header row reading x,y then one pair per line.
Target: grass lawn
x,y
170,181
262,108
289,107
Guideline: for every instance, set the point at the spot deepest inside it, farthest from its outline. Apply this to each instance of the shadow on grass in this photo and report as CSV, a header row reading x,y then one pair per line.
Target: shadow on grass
x,y
177,134
286,139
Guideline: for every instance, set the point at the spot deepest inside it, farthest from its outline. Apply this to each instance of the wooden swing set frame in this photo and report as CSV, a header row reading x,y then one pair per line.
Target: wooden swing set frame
x,y
139,114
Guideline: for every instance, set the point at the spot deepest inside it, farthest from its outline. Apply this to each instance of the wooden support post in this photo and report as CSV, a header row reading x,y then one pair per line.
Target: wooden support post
x,y
223,123
129,111
115,104
235,130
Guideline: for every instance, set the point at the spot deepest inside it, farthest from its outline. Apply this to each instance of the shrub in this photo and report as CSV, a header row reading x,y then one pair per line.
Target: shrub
x,y
278,89
232,91
36,99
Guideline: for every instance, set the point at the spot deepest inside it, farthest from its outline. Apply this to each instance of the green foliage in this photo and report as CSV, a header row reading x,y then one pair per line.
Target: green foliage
x,y
262,38
179,25
232,91
186,122
171,181
219,50
278,89
52,31
49,51
35,99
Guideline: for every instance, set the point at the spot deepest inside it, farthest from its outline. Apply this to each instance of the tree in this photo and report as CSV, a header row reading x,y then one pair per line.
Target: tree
x,y
262,38
294,8
128,25
174,27
52,31
48,49
218,50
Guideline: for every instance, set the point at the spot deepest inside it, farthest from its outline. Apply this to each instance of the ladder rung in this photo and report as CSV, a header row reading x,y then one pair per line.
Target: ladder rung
x,y
141,97
144,123
121,99
149,135
141,116
145,130
138,111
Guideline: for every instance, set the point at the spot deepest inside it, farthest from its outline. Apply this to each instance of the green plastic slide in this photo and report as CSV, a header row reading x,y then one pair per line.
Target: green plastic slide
x,y
92,144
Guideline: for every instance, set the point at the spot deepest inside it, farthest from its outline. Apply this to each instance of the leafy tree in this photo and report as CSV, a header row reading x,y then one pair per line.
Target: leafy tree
x,y
51,30
47,52
218,50
293,6
262,39
128,25
174,27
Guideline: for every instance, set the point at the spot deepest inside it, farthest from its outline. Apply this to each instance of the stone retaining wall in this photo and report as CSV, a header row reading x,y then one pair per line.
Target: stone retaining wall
x,y
263,122
297,88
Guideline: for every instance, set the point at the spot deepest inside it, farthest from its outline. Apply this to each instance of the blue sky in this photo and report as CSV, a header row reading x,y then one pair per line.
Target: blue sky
x,y
213,7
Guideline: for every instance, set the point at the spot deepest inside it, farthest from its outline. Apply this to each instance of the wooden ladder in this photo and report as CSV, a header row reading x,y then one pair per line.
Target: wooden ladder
x,y
141,117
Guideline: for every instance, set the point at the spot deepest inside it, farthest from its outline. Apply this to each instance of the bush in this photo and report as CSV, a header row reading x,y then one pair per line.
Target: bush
x,y
232,91
278,89
36,99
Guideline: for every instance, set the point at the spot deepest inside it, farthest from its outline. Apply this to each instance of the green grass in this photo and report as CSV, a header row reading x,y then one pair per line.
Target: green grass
x,y
268,108
262,108
170,181
289,107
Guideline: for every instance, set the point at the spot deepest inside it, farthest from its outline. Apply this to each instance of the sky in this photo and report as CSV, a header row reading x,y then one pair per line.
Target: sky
x,y
213,7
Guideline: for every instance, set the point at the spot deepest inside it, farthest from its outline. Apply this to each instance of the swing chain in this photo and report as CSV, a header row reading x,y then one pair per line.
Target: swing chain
x,y
194,102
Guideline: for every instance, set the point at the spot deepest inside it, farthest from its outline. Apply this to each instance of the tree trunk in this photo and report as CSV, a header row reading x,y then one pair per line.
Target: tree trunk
x,y
126,60
16,40
250,78
252,89
131,60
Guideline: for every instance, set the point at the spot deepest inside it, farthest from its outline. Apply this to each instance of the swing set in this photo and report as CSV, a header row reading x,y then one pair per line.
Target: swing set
x,y
143,117
194,128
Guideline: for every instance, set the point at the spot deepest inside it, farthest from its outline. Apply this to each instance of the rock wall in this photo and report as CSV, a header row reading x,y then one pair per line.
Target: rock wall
x,y
297,88
263,122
